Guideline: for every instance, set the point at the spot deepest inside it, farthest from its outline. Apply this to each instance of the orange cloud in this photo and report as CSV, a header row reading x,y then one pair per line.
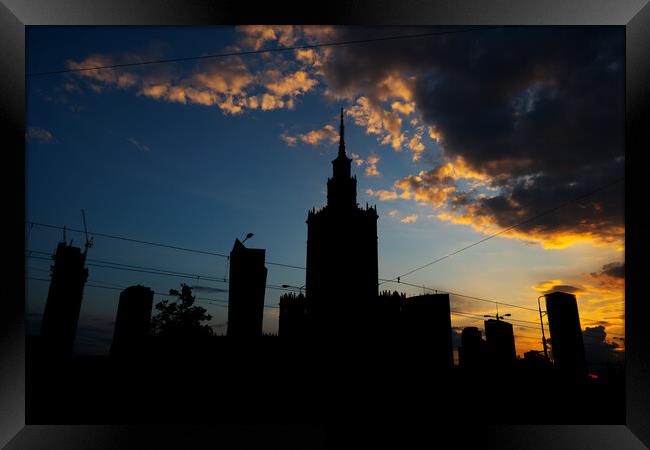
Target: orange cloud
x,y
118,77
409,219
313,137
382,194
227,84
432,187
255,36
357,159
404,108
371,169
293,84
376,120
547,239
395,86
434,134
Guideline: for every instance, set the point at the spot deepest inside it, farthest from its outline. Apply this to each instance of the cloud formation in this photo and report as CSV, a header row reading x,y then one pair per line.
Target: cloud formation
x,y
314,137
409,219
35,134
611,276
538,112
528,118
598,350
371,165
139,145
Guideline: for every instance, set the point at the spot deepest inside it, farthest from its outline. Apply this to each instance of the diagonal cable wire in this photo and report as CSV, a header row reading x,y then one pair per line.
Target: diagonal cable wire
x,y
255,52
505,230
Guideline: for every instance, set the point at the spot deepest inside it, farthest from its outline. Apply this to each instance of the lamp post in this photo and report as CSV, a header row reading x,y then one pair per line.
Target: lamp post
x,y
248,236
541,322
497,316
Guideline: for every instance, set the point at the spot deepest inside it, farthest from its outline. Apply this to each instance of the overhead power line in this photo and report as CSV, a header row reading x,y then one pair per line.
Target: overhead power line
x,y
505,230
193,276
443,291
256,52
120,288
152,271
224,303
156,244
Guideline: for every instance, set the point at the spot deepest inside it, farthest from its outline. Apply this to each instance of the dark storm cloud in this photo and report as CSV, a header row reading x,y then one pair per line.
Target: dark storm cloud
x,y
598,350
538,110
614,270
612,275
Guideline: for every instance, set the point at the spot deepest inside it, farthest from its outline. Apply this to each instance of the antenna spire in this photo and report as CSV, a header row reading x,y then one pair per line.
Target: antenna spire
x,y
342,137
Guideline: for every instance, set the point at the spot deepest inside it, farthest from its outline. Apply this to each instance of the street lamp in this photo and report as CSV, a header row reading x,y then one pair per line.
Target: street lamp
x,y
248,236
497,316
539,305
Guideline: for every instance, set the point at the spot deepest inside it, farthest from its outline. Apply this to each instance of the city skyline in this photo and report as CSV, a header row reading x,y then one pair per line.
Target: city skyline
x,y
262,156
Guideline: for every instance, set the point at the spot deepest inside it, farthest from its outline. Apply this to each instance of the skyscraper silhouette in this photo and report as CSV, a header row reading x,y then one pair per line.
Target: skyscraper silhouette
x,y
500,343
341,252
246,291
567,345
472,348
61,315
132,321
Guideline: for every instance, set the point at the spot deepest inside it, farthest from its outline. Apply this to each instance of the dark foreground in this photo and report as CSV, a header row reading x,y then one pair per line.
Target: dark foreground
x,y
274,381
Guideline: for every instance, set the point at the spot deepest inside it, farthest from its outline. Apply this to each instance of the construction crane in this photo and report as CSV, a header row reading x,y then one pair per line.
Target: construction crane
x,y
89,242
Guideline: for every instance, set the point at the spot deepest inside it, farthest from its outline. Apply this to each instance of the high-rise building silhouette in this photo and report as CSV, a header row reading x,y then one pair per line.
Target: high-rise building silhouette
x,y
500,343
426,326
471,352
61,315
246,291
342,252
567,345
133,321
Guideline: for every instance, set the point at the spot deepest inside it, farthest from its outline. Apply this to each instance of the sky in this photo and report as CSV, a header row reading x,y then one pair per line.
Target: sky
x,y
454,136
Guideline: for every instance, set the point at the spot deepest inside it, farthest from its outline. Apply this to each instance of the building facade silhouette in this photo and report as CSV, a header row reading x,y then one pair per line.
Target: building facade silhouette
x,y
132,321
294,316
61,315
426,328
342,273
246,291
500,343
567,346
471,352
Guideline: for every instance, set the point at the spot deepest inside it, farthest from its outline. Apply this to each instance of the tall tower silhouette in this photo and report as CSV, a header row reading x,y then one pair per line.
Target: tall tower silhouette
x,y
500,343
133,321
567,344
341,252
246,291
61,315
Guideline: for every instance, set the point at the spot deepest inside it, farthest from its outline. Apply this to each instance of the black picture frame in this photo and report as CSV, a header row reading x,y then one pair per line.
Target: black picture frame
x,y
16,14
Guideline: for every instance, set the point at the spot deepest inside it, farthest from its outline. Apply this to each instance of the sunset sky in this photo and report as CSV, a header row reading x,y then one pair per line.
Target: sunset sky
x,y
454,137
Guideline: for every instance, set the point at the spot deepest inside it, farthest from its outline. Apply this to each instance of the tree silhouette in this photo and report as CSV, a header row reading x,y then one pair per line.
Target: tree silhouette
x,y
181,319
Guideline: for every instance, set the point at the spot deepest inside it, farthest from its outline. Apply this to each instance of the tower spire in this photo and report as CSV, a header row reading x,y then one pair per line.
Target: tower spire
x,y
342,137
